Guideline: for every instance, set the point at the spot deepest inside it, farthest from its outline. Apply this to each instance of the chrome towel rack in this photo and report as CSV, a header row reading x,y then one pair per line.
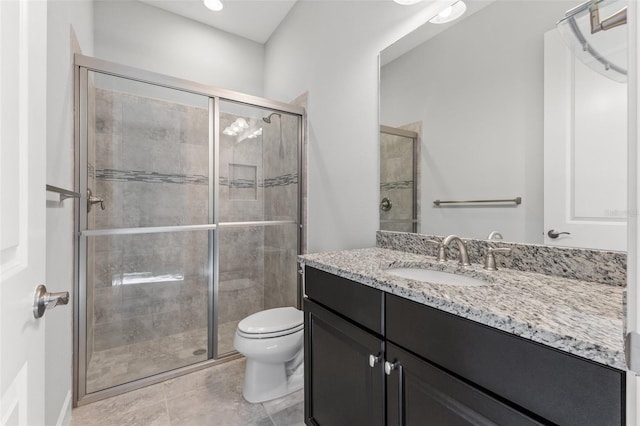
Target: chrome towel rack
x,y
517,200
64,193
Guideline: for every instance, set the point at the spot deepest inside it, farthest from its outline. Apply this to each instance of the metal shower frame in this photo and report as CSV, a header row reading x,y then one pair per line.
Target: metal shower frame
x,y
82,66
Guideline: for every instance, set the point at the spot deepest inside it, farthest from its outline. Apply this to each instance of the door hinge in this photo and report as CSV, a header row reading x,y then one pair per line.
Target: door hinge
x,y
632,351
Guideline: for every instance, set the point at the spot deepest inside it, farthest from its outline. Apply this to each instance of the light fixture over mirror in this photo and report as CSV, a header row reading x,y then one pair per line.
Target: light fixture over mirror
x,y
215,5
451,13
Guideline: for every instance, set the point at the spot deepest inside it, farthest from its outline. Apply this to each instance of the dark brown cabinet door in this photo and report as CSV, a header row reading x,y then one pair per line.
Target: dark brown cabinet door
x,y
553,385
341,387
419,393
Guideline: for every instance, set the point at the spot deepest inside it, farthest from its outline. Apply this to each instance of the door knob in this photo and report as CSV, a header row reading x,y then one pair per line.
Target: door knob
x,y
91,200
555,234
44,300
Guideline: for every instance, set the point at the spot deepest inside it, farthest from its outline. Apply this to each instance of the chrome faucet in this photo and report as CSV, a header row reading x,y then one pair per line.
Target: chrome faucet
x,y
464,256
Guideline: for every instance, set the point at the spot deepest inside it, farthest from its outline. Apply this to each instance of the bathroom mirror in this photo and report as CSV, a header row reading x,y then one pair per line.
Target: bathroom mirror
x,y
504,111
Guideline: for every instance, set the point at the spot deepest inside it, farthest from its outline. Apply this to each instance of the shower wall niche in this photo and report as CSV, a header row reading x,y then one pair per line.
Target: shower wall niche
x,y
199,228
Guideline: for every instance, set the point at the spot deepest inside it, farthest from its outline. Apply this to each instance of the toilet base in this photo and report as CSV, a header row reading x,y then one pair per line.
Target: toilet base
x,y
264,381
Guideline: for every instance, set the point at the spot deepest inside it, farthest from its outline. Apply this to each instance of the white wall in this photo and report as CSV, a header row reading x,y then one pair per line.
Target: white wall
x,y
143,36
61,16
478,90
330,49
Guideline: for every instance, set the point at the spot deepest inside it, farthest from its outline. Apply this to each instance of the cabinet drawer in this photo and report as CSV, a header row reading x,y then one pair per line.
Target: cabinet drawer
x,y
359,303
556,386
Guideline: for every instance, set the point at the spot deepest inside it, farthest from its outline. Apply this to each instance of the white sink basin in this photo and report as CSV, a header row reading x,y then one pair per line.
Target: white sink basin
x,y
435,277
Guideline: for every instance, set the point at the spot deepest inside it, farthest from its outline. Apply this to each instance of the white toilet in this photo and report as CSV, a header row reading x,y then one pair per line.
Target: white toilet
x,y
272,341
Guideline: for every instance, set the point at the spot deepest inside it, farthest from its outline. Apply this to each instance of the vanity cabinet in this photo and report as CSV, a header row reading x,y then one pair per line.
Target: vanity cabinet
x,y
441,369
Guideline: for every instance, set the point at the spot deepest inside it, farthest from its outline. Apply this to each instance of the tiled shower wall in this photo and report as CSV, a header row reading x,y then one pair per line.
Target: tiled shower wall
x,y
151,168
396,181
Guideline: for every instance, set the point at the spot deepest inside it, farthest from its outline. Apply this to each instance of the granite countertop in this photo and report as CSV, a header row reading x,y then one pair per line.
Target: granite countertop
x,y
578,317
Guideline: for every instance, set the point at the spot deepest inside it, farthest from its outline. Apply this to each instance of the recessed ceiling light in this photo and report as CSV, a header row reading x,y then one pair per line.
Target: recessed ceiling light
x,y
451,13
407,2
215,5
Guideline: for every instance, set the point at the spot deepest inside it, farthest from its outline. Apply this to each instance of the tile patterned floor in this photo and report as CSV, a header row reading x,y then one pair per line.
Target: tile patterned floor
x,y
208,397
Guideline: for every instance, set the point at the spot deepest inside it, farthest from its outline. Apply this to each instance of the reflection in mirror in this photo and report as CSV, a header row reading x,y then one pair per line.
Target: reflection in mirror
x,y
503,109
398,179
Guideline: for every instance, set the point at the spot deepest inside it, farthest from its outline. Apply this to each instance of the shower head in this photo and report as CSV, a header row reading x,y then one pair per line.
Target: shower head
x,y
267,119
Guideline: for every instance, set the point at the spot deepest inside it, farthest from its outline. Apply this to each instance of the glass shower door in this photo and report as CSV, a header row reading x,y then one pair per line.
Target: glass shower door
x,y
189,222
146,230
258,214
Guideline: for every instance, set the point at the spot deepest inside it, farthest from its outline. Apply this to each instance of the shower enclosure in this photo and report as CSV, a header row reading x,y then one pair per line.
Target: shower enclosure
x,y
189,222
399,203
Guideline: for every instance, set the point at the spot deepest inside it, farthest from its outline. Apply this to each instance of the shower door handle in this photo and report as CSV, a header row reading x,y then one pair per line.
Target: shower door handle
x,y
91,200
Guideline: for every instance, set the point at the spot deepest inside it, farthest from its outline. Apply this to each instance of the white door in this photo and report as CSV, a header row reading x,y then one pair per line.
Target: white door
x,y
22,208
585,152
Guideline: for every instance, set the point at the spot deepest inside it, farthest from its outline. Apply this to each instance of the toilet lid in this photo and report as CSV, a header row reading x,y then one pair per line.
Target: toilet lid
x,y
271,321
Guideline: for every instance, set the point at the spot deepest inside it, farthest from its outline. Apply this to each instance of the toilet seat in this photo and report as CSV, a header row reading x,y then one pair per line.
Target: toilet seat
x,y
270,335
271,323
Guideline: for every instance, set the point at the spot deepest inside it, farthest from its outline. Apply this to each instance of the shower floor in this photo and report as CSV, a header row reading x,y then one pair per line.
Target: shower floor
x,y
112,367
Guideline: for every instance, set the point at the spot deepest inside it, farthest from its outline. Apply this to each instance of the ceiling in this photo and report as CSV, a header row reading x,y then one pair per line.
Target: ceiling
x,y
252,19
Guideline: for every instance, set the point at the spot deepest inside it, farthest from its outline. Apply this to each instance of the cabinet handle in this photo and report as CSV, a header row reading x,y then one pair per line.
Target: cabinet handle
x,y
389,367
373,360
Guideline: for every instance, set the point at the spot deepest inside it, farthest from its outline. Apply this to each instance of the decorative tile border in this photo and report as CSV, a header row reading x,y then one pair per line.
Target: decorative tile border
x,y
153,177
240,183
607,267
283,180
402,184
149,177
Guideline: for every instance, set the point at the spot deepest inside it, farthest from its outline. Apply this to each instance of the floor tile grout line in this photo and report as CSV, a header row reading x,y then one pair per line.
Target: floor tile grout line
x,y
166,406
273,422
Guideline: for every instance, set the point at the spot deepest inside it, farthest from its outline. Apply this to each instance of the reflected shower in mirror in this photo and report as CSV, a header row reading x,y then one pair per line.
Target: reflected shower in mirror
x,y
399,208
504,110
